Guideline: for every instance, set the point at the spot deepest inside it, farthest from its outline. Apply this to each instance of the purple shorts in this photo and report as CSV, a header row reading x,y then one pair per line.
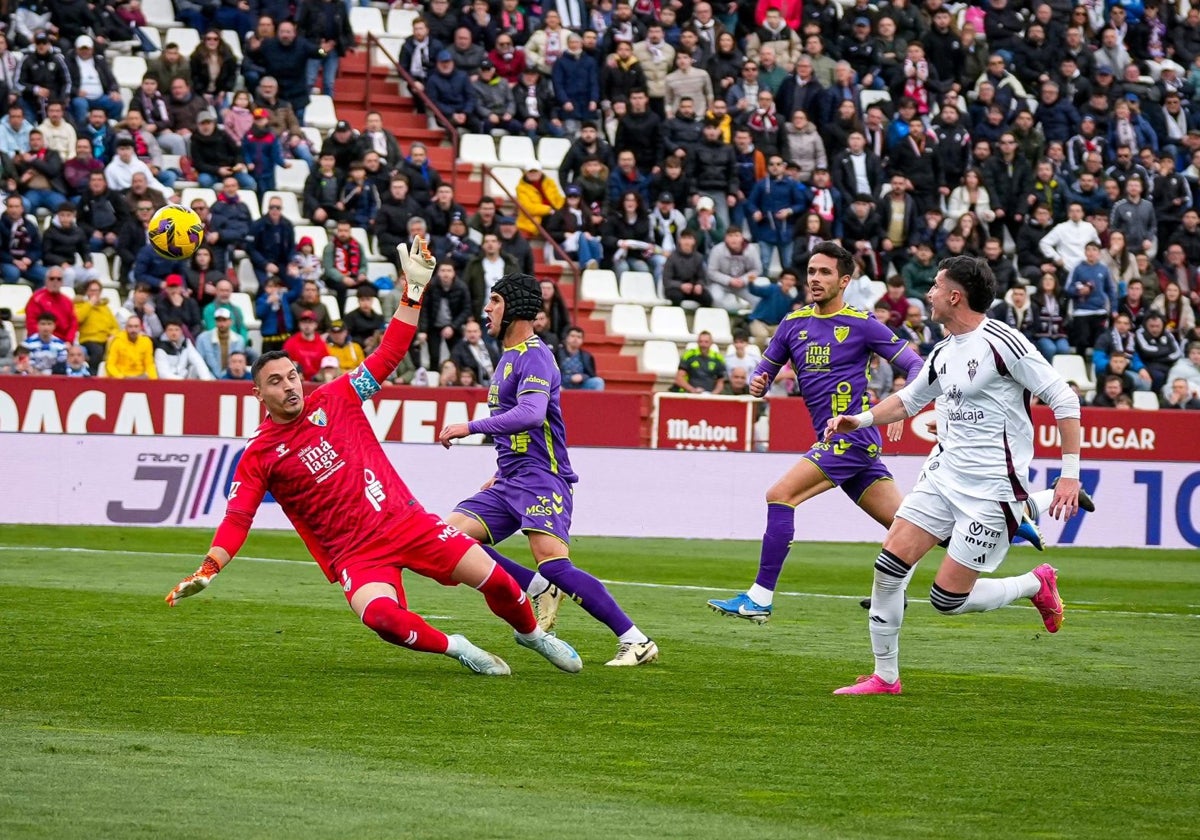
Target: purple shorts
x,y
539,502
849,464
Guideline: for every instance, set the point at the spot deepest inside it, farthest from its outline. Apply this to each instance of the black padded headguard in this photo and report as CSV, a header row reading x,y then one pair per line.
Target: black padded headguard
x,y
522,294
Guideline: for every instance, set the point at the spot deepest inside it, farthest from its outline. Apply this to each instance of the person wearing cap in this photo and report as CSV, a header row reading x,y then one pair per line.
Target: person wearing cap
x,y
325,22
173,303
494,104
218,344
262,152
576,227
346,353
537,197
531,490
343,143
536,107
451,92
44,78
328,371
306,348
215,156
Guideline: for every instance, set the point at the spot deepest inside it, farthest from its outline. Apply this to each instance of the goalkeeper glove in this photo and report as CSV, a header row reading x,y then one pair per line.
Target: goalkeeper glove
x,y
195,582
417,265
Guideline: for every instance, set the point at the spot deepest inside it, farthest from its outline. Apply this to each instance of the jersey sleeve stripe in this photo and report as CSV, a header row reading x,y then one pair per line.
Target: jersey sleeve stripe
x,y
1004,334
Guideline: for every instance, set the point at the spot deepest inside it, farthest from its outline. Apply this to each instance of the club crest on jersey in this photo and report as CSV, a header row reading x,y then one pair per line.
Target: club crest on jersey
x,y
972,369
840,333
507,370
955,395
319,418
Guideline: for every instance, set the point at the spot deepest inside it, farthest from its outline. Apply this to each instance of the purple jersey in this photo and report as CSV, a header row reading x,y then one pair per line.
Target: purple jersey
x,y
831,355
530,367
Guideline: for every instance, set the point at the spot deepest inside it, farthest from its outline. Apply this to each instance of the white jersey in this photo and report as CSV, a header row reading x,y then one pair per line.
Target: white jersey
x,y
982,382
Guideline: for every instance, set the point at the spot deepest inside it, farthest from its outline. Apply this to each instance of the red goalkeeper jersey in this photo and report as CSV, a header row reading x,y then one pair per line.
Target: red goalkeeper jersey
x,y
327,470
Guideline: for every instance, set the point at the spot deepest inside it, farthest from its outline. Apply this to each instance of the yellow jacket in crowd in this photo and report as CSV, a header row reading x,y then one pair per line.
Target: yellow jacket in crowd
x,y
96,321
130,359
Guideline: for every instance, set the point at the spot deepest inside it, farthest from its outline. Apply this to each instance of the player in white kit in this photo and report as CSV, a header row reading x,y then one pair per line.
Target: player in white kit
x,y
974,482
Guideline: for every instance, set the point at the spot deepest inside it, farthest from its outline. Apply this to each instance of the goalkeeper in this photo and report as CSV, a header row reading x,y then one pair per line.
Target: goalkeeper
x,y
319,458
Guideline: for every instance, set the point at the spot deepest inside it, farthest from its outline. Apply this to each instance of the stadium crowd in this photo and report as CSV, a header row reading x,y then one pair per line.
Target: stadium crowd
x,y
712,144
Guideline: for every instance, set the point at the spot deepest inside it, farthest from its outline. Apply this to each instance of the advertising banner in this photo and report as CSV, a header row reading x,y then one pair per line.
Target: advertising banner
x,y
172,481
702,421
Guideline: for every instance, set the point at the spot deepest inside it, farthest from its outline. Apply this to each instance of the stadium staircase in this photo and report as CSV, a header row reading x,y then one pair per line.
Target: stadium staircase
x,y
618,368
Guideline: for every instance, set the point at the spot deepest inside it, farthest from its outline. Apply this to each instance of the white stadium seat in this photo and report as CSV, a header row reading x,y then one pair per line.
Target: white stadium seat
x,y
13,297
670,324
128,70
1145,400
205,194
508,177
517,150
660,357
160,14
1074,369
292,178
552,150
243,302
316,233
384,51
331,306
716,321
600,286
400,21
378,270
321,113
629,321
364,19
187,39
250,199
153,36
869,97
231,38
639,287
477,149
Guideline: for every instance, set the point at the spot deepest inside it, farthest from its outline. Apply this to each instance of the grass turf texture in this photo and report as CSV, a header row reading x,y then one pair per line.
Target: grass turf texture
x,y
261,708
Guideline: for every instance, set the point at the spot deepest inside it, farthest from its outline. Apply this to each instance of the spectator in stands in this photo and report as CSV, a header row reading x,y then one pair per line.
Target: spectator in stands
x,y
64,243
362,323
47,352
771,205
589,143
701,369
238,369
262,152
1092,291
76,364
476,355
274,309
713,170
50,299
59,135
485,269
707,225
549,42
349,354
1112,389
494,102
119,173
1051,311
156,115
175,357
131,353
148,150
283,121
214,70
390,225
537,197
169,65
230,220
625,179
272,241
576,228
218,345
419,51
1178,314
285,57
576,81
322,191
921,333
485,219
685,275
536,107
1180,394
515,245
449,88
344,263
1065,243
174,304
732,266
20,245
140,302
776,300
1135,218
359,199
325,22
442,209
448,305
98,132
1015,311
577,365
222,298
215,155
39,173
344,143
202,274
423,178
97,324
1121,340
44,78
310,301
306,348
14,132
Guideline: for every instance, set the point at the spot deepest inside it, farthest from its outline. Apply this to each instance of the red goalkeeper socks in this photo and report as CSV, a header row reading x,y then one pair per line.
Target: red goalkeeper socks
x,y
398,626
505,599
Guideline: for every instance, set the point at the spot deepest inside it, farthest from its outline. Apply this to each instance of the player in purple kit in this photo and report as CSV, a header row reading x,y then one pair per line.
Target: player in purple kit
x,y
531,491
829,344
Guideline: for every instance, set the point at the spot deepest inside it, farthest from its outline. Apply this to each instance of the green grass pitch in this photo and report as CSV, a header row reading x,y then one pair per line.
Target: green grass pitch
x,y
262,708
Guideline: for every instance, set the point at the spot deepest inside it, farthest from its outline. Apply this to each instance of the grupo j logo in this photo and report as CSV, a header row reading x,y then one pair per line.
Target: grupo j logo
x,y
181,486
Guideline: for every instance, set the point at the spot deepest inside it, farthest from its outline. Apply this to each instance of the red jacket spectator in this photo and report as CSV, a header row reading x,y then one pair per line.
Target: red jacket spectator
x,y
52,300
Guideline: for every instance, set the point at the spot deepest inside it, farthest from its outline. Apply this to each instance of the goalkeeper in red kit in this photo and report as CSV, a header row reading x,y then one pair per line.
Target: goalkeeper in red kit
x,y
319,458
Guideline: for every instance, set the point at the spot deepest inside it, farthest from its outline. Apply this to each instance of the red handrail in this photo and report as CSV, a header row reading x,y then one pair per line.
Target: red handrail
x,y
554,245
372,43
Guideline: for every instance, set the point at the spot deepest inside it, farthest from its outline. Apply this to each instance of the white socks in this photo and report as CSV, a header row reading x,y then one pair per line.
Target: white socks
x,y
760,596
633,636
994,593
537,586
887,614
1039,503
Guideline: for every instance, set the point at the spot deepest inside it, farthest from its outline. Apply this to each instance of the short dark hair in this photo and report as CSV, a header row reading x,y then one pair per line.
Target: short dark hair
x,y
264,359
845,260
574,329
172,322
976,278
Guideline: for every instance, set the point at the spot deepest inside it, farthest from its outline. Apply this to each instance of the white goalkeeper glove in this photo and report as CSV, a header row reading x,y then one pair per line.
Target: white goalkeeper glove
x,y
418,265
194,583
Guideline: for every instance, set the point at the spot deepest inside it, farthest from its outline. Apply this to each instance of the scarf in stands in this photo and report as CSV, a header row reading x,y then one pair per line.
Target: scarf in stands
x,y
647,9
765,121
346,257
1124,344
916,73
512,22
822,203
140,149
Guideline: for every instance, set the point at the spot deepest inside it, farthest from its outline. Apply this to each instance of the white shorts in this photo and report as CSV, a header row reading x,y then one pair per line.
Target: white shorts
x,y
980,530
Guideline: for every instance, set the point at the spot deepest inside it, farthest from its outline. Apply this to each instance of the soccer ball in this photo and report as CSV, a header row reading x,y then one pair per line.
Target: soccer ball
x,y
175,232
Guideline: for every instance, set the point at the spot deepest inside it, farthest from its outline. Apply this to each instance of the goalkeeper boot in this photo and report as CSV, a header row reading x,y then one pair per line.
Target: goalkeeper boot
x,y
545,607
1085,501
1047,600
477,659
634,653
1028,530
560,654
870,685
740,606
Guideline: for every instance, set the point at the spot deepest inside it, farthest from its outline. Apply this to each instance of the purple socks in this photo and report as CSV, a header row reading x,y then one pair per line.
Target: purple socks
x,y
588,592
519,573
777,539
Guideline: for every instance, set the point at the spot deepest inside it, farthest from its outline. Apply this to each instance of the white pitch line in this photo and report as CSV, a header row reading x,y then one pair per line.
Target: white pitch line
x,y
645,585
